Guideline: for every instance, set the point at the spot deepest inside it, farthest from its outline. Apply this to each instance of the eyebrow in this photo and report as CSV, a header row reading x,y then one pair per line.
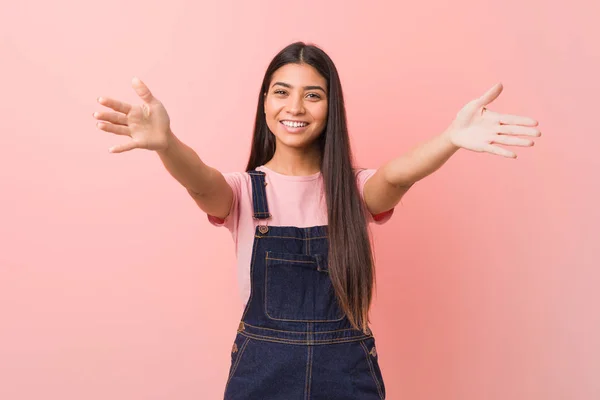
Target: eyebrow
x,y
287,85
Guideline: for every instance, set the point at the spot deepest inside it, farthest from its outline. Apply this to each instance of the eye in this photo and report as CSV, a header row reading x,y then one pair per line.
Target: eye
x,y
279,91
316,96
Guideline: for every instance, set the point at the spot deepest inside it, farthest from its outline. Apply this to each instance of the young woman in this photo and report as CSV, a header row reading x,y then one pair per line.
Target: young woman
x,y
299,217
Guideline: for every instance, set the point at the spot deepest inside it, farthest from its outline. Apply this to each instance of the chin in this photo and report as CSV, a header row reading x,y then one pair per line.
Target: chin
x,y
294,142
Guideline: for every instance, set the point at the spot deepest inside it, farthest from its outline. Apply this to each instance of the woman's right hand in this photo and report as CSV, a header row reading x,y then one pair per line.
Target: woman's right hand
x,y
147,124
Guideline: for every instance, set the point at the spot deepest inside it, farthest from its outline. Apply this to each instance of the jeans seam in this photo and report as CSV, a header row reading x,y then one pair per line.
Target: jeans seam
x,y
308,373
237,361
301,332
303,342
362,344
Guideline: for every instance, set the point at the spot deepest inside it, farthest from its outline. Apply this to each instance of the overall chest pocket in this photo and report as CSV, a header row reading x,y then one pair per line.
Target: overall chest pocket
x,y
298,288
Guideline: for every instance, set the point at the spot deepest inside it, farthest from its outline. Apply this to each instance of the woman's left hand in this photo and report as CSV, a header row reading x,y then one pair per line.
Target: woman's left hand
x,y
476,128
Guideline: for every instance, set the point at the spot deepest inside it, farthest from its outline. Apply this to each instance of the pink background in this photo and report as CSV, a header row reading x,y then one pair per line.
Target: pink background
x,y
113,285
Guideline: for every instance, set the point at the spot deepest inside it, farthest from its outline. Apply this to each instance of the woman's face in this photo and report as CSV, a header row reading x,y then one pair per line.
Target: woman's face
x,y
296,105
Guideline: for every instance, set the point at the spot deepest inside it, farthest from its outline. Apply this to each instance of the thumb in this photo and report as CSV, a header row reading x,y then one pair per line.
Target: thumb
x,y
123,147
490,95
142,90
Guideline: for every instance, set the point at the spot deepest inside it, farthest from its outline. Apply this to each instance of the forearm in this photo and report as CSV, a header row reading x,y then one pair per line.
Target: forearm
x,y
186,167
419,162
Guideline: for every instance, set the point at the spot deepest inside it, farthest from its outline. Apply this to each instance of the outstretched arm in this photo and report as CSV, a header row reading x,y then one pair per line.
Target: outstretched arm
x,y
475,128
148,126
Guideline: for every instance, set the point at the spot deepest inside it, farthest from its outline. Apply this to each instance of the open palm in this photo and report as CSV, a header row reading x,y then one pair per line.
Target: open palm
x,y
477,129
147,124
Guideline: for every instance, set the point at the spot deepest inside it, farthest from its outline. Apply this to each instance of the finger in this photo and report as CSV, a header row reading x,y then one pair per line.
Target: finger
x,y
123,147
490,95
512,141
142,90
116,129
115,118
508,119
116,105
518,130
499,151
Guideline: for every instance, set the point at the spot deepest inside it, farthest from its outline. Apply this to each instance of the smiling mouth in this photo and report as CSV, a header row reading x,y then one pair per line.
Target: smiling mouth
x,y
293,124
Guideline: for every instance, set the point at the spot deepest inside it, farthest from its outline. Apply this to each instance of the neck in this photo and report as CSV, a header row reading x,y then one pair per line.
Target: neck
x,y
295,161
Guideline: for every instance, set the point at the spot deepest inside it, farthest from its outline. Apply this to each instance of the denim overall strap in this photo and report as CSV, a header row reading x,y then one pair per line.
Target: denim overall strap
x,y
259,195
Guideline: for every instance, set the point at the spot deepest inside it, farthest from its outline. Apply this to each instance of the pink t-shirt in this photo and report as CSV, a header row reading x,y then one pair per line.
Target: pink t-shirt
x,y
293,201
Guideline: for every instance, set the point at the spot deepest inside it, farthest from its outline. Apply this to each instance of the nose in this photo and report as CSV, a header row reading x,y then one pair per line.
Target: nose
x,y
296,105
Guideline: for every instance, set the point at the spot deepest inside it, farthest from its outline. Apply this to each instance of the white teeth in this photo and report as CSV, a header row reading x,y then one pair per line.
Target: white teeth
x,y
294,124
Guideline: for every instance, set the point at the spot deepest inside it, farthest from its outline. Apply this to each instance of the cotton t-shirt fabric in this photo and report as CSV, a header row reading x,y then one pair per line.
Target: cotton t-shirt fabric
x,y
293,201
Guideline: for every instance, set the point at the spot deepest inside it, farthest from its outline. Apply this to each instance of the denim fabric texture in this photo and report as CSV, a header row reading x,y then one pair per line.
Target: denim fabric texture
x,y
293,341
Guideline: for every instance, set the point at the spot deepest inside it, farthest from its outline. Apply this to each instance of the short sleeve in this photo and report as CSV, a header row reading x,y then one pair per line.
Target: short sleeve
x,y
234,180
362,176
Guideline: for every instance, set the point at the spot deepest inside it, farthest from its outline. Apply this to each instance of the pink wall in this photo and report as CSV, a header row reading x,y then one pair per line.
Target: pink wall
x,y
114,285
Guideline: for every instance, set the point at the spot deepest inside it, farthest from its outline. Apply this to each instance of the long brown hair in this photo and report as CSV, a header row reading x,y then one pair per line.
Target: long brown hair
x,y
351,263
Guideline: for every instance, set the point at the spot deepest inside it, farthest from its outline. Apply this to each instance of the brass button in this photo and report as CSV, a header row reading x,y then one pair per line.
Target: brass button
x,y
263,228
373,352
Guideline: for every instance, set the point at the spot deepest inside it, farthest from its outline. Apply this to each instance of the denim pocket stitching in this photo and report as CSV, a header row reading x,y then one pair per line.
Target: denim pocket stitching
x,y
292,258
364,347
237,360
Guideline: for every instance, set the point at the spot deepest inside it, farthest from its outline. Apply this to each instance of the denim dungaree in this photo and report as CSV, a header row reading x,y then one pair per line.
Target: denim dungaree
x,y
293,342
